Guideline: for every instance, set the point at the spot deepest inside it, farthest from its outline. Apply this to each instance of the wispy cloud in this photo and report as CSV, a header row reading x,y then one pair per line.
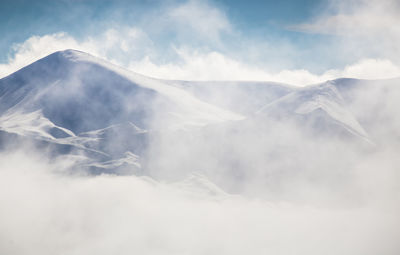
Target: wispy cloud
x,y
355,17
195,65
132,48
363,27
200,20
118,45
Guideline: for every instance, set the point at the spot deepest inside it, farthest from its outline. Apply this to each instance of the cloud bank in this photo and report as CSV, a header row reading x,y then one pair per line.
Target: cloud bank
x,y
43,212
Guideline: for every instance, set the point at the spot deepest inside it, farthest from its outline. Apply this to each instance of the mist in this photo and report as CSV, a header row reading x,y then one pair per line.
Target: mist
x,y
189,130
265,183
43,212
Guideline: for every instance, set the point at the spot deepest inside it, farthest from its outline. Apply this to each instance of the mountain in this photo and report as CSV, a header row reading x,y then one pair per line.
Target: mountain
x,y
81,93
73,100
373,103
110,119
320,106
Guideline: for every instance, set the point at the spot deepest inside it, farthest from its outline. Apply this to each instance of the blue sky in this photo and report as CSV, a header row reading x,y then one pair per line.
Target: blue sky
x,y
20,19
311,35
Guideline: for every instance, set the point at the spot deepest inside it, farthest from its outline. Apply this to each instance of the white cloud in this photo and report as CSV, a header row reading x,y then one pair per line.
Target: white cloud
x,y
362,28
37,47
355,17
132,48
371,69
216,66
116,45
45,213
200,20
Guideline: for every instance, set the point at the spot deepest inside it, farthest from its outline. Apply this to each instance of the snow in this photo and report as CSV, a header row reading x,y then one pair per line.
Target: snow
x,y
195,112
109,115
323,97
29,124
129,159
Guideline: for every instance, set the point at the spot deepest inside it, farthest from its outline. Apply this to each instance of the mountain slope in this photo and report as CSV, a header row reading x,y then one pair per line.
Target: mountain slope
x,y
320,106
81,93
114,120
76,103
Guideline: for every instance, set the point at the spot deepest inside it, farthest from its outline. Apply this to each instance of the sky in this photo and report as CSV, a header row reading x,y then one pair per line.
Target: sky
x,y
292,41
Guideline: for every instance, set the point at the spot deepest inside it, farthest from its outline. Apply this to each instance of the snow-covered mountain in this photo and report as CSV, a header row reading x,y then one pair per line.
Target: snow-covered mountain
x,y
320,106
73,99
81,93
72,103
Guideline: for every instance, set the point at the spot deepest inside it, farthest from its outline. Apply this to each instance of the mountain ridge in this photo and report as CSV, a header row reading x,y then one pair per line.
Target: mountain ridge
x,y
111,117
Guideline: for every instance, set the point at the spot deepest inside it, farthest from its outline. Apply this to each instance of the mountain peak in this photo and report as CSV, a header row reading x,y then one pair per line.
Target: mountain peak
x,y
70,51
73,55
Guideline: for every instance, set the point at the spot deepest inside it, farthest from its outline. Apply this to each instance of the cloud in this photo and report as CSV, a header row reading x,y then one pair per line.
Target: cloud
x,y
355,17
362,27
195,65
371,69
37,47
132,48
116,45
47,213
200,20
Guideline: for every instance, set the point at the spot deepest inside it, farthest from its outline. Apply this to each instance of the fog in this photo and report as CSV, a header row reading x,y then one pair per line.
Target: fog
x,y
46,213
270,183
